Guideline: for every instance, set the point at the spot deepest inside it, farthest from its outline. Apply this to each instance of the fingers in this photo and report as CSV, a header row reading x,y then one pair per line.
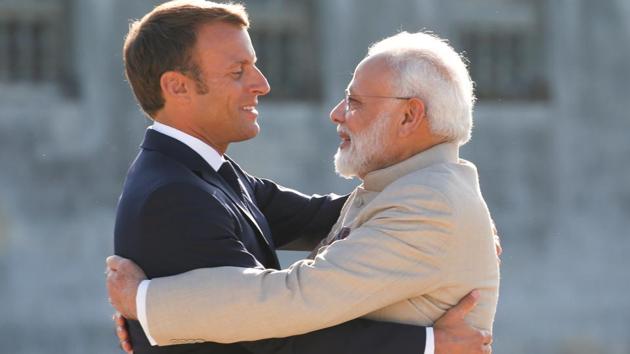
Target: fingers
x,y
497,245
119,319
126,346
117,264
121,327
486,337
465,305
113,262
122,333
486,341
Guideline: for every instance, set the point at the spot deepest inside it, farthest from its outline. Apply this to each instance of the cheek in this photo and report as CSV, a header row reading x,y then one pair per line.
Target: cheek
x,y
352,124
359,127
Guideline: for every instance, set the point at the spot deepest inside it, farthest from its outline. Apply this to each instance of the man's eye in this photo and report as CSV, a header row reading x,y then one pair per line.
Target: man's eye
x,y
352,102
237,74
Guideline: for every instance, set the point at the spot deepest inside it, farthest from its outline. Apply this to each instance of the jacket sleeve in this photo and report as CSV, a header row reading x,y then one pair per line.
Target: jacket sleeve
x,y
397,255
293,215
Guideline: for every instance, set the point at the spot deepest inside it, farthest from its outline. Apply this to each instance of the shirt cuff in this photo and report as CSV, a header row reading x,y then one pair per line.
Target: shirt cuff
x,y
141,308
429,347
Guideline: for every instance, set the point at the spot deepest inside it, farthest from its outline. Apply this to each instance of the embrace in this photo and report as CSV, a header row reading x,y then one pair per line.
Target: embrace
x,y
407,263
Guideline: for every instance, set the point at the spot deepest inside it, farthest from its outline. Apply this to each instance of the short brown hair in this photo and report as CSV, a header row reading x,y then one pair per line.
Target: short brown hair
x,y
163,41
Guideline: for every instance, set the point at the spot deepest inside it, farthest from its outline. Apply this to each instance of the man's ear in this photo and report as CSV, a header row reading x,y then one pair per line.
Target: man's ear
x,y
414,114
175,86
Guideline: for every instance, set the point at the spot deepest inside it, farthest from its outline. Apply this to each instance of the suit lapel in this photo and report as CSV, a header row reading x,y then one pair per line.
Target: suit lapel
x,y
213,179
248,193
180,152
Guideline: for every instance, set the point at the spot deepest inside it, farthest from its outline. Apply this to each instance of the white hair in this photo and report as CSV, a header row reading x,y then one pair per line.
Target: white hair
x,y
427,67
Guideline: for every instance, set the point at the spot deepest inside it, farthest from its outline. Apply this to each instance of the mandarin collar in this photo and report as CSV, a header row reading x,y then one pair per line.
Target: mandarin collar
x,y
378,180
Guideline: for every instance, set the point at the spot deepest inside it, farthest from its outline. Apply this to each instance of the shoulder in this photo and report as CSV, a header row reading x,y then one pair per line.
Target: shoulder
x,y
441,181
155,174
438,190
155,166
419,188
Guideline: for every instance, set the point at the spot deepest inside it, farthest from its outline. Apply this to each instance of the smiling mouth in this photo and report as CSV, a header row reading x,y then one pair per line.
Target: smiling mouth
x,y
345,140
251,111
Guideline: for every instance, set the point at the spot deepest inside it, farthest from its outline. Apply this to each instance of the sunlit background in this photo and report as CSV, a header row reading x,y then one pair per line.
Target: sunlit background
x,y
551,141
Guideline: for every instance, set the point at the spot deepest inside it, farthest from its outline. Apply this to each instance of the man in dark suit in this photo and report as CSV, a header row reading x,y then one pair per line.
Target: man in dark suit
x,y
185,205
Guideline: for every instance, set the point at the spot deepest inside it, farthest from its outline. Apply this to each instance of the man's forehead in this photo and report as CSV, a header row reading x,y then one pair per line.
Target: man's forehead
x,y
226,45
369,75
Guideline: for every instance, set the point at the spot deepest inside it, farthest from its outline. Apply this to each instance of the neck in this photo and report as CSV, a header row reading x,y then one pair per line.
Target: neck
x,y
406,151
192,130
423,145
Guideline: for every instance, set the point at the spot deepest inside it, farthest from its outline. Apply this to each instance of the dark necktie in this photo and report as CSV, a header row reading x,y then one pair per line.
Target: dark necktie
x,y
229,175
227,172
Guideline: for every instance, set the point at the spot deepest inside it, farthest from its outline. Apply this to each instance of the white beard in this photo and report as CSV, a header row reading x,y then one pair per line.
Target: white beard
x,y
364,150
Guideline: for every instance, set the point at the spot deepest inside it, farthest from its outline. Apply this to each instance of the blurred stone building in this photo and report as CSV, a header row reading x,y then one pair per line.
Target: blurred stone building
x,y
551,142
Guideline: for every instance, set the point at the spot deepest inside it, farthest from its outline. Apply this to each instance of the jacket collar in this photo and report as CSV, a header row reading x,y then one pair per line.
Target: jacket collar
x,y
175,149
378,180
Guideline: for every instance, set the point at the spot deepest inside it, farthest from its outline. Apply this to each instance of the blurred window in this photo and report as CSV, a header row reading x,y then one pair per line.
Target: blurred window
x,y
35,44
287,46
505,44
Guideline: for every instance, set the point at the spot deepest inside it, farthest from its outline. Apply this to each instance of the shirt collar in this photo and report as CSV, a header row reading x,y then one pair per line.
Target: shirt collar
x,y
378,180
210,155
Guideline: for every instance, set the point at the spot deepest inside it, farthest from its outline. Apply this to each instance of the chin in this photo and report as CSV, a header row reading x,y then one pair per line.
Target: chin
x,y
254,130
249,133
343,164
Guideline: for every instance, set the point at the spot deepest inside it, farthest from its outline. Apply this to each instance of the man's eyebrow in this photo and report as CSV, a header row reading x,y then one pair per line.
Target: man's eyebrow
x,y
245,61
237,64
349,91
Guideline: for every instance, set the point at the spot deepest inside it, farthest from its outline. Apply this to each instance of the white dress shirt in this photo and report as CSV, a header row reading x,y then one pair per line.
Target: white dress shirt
x,y
215,160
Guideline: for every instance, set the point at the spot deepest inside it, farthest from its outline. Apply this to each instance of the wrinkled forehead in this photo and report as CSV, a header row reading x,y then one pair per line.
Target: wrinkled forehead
x,y
373,76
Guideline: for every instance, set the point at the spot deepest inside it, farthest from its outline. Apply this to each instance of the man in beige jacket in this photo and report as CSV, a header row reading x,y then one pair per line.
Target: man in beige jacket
x,y
412,239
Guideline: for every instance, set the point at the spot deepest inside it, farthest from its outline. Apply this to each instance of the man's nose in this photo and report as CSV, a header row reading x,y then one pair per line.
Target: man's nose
x,y
338,114
261,85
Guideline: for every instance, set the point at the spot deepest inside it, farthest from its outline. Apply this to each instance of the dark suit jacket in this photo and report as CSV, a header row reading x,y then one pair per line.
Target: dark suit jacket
x,y
176,214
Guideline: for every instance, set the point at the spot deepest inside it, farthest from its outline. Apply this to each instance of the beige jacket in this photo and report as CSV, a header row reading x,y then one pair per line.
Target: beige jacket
x,y
421,238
